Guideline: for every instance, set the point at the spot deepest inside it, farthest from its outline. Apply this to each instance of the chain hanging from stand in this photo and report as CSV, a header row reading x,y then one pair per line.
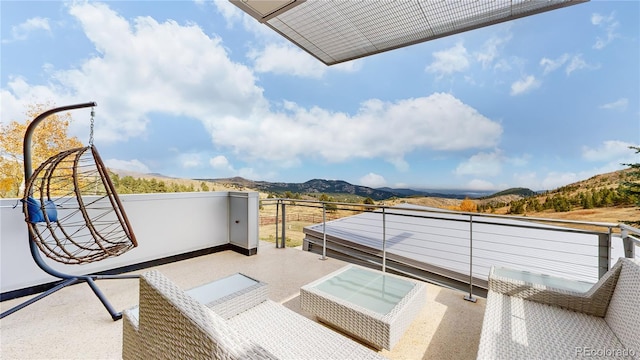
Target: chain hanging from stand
x,y
93,114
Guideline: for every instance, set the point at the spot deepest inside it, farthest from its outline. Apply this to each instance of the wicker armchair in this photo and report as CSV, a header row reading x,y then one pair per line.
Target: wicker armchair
x,y
527,320
170,324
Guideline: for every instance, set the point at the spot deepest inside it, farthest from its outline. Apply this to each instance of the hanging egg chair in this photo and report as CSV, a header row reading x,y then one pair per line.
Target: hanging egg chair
x,y
73,214
73,211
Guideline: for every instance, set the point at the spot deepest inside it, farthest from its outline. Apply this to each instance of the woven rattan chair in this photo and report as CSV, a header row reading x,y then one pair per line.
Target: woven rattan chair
x,y
525,320
73,214
170,324
72,210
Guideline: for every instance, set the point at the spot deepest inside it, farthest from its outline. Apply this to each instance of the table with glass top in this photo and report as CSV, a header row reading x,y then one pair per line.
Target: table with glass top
x,y
540,280
372,306
227,296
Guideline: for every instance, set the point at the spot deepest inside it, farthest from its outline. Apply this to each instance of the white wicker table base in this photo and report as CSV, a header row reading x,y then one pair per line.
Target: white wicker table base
x,y
379,330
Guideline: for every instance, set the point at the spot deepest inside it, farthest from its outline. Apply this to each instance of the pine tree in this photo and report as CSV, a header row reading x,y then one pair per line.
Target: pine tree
x,y
632,187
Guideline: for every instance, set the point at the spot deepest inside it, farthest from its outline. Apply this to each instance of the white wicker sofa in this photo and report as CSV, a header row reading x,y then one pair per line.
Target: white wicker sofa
x,y
527,320
170,324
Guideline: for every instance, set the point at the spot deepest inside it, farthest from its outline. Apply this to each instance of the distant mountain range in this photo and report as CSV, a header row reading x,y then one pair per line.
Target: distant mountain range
x,y
321,186
336,187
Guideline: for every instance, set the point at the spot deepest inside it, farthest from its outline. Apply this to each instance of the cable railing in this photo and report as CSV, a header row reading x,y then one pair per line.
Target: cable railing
x,y
460,246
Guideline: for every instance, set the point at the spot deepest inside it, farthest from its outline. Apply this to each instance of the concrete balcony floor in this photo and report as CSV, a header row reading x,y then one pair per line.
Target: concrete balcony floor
x,y
73,324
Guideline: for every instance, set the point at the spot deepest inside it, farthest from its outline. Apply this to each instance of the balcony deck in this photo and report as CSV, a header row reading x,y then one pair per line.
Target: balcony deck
x,y
73,324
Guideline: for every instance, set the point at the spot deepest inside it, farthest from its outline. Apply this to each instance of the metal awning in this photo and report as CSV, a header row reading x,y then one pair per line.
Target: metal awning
x,y
335,31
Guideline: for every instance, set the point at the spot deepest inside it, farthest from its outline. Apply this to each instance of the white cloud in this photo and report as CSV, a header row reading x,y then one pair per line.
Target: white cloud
x,y
612,166
480,185
22,31
549,181
223,167
455,59
349,66
491,49
178,70
251,174
572,62
612,150
470,80
399,162
12,106
482,164
162,67
528,180
221,162
620,104
439,122
597,19
519,160
17,95
189,160
129,165
578,63
554,180
286,59
373,180
610,156
231,13
524,85
609,24
502,65
552,65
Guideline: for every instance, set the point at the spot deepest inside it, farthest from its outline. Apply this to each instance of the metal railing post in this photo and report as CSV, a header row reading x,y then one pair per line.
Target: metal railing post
x,y
384,240
284,225
470,297
324,232
628,245
276,224
604,253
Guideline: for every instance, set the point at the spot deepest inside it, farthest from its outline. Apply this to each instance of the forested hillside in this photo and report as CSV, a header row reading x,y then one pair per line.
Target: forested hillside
x,y
599,191
140,185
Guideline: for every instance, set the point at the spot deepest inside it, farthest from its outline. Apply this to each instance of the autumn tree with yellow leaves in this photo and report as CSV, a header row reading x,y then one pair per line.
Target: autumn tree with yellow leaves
x,y
467,205
49,138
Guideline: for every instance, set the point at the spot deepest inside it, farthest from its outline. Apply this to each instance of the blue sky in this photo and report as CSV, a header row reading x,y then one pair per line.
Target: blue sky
x,y
198,89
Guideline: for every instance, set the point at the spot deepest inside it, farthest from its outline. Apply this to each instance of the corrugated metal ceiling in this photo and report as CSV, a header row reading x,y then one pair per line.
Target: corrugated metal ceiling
x,y
335,31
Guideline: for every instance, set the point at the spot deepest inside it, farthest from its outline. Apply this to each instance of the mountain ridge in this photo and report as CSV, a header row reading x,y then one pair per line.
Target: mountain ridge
x,y
318,186
334,187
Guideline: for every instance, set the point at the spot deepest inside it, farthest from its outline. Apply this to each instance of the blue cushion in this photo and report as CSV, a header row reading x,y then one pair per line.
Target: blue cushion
x,y
35,212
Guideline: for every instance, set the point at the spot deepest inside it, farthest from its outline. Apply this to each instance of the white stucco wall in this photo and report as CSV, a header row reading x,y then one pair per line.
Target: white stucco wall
x,y
164,225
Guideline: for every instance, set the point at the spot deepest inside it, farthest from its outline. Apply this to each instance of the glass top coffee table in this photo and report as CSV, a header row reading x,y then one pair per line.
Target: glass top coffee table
x,y
227,296
370,305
